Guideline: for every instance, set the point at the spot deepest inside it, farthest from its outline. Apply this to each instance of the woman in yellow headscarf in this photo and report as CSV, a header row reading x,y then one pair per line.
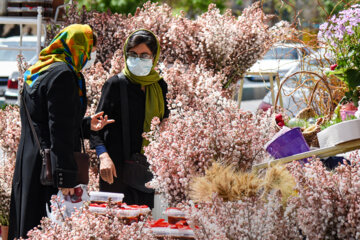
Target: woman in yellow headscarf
x,y
133,98
54,97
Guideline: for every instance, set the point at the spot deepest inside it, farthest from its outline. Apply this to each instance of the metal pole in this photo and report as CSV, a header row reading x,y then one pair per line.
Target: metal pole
x,y
21,37
39,20
240,92
271,77
44,28
278,85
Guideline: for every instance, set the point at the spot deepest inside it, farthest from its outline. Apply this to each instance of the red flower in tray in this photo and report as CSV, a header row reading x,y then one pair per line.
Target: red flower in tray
x,y
76,197
279,120
159,223
180,225
175,215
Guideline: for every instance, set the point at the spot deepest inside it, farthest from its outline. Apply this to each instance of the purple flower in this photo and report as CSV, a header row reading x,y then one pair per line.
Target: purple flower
x,y
349,30
354,21
324,26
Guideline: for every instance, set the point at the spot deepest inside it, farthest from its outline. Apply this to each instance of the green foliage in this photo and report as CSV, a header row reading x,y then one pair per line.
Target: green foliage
x,y
4,220
191,7
196,7
333,7
2,107
335,121
341,34
285,11
115,6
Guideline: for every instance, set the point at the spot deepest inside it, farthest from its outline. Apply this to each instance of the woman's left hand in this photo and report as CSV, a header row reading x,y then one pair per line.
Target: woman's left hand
x,y
98,122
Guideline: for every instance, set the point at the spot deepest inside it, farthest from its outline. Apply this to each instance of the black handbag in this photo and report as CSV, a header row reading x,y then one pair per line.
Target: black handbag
x,y
135,169
46,176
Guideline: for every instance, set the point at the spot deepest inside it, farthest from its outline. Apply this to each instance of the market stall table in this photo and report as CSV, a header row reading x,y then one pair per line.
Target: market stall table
x,y
321,153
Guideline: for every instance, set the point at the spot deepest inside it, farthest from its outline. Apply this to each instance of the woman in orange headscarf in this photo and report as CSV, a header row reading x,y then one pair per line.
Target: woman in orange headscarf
x,y
54,95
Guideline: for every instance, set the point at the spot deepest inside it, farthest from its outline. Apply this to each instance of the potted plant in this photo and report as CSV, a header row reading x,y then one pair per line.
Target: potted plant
x,y
6,175
341,34
5,194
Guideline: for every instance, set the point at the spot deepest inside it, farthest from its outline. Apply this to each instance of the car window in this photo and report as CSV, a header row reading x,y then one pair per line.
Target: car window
x,y
11,55
282,53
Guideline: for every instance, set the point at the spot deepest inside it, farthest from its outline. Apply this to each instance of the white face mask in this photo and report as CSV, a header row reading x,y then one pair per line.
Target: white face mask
x,y
90,62
139,66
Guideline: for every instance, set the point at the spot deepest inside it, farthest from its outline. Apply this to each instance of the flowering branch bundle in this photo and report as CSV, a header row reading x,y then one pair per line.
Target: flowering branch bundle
x,y
185,145
189,84
83,224
6,176
10,131
223,43
236,204
328,203
250,218
232,45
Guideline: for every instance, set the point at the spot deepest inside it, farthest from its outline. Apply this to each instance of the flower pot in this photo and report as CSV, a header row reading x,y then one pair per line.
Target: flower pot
x,y
339,133
347,113
347,110
4,232
290,143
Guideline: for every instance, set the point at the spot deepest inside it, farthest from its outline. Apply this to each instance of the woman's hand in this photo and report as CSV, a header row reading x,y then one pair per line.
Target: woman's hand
x,y
98,122
67,191
107,168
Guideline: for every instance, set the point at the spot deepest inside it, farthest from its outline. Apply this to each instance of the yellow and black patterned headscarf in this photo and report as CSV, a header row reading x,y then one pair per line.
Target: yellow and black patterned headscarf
x,y
72,45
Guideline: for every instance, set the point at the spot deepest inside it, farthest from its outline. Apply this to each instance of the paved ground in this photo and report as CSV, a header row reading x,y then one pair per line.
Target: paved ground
x,y
250,105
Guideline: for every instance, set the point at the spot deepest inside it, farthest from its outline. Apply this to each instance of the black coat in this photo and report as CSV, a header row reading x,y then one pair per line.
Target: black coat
x,y
111,135
57,114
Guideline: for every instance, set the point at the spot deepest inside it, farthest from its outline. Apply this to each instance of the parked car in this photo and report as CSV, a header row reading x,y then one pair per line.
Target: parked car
x,y
8,65
292,103
279,60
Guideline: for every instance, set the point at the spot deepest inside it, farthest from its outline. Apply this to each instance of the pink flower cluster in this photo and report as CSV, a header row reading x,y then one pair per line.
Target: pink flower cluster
x,y
188,84
327,206
10,131
86,225
220,42
251,218
6,176
201,130
95,79
328,202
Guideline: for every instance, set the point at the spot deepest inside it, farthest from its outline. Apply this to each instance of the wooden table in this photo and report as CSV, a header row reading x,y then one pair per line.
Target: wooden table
x,y
321,153
271,75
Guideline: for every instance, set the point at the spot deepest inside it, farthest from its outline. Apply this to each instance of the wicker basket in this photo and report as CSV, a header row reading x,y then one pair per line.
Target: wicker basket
x,y
310,135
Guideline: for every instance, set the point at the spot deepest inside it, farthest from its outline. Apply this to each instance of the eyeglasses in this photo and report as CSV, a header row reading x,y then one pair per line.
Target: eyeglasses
x,y
141,56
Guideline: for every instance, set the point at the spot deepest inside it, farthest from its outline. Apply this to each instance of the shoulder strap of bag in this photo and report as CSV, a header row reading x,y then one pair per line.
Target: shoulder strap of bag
x,y
82,139
125,116
32,125
30,121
